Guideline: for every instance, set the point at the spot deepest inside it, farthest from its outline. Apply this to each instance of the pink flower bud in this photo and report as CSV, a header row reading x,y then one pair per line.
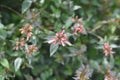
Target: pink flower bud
x,y
107,49
79,29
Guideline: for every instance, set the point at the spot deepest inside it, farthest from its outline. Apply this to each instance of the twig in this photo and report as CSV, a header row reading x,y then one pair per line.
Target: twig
x,y
104,22
99,37
96,28
6,7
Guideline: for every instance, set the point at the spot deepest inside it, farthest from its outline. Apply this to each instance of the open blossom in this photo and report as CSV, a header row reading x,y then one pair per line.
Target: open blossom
x,y
31,49
83,73
107,49
27,29
110,76
20,44
78,28
60,38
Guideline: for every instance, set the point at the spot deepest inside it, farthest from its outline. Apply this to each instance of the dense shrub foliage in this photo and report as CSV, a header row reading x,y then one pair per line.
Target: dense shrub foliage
x,y
59,40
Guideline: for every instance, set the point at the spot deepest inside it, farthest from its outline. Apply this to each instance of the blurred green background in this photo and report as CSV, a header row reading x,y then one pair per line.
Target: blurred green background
x,y
101,19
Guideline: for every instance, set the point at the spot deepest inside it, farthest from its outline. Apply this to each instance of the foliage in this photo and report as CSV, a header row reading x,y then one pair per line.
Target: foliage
x,y
43,61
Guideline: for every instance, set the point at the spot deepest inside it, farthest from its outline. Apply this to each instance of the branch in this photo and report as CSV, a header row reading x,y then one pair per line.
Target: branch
x,y
6,7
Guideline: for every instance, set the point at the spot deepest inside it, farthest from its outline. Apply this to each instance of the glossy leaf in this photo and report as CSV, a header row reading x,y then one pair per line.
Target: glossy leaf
x,y
4,62
95,65
53,48
17,63
25,5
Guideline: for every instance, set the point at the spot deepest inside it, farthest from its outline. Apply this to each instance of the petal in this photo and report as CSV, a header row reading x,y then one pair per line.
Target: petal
x,y
51,41
106,52
83,30
63,43
68,43
62,32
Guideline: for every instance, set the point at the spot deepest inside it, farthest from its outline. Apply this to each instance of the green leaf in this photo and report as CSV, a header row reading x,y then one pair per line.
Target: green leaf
x,y
112,61
53,48
26,5
95,65
4,62
76,7
1,26
2,71
46,74
105,63
68,22
17,63
28,77
3,34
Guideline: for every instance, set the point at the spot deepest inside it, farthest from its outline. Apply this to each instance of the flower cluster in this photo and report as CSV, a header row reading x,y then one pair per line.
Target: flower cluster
x,y
107,49
78,27
83,73
27,30
60,38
